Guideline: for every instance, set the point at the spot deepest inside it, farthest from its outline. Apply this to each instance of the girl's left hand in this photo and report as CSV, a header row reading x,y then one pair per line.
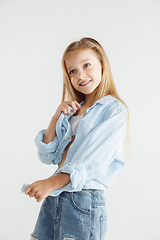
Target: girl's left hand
x,y
39,189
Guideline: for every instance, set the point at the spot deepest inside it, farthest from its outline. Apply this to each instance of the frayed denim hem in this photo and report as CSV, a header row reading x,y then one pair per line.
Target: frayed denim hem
x,y
33,237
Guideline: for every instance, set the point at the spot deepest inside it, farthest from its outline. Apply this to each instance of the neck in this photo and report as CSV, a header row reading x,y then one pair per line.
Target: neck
x,y
89,99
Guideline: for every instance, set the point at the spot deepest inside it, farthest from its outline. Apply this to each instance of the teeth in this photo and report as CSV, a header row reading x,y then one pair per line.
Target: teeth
x,y
84,83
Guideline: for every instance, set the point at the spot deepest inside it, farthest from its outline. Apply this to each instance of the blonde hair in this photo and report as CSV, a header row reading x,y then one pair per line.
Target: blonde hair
x,y
106,86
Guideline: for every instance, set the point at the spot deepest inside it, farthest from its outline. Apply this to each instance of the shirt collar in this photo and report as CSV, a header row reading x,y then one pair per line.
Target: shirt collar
x,y
100,101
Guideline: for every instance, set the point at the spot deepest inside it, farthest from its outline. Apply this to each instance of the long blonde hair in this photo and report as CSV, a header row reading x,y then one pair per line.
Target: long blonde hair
x,y
106,86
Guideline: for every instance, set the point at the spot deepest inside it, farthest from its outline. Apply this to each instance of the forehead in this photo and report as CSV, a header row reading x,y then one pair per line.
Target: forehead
x,y
80,55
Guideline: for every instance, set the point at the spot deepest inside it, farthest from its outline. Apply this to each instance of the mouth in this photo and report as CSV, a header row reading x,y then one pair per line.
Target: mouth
x,y
84,83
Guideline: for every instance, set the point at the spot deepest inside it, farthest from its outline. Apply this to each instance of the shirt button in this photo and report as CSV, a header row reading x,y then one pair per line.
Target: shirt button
x,y
90,126
65,138
78,162
57,151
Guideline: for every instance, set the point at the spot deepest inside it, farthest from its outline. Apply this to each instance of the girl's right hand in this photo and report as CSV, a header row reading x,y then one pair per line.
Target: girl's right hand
x,y
65,108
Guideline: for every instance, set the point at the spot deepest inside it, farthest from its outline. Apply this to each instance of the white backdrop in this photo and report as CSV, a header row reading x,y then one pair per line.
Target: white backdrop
x,y
33,36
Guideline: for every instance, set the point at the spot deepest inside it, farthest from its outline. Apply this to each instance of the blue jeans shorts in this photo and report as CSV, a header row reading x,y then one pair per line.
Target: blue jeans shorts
x,y
72,216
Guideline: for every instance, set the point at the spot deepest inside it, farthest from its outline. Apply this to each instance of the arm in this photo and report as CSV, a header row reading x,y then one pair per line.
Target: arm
x,y
43,188
51,130
48,140
65,108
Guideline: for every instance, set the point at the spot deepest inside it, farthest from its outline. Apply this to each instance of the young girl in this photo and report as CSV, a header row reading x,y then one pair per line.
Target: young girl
x,y
85,138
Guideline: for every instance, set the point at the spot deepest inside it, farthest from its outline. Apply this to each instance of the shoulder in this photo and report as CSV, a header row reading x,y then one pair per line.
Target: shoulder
x,y
111,105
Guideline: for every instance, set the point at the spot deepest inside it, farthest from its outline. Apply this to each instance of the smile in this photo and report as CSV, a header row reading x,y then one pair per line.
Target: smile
x,y
85,83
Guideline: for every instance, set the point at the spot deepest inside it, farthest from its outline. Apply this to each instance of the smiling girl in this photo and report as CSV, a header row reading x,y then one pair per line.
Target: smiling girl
x,y
85,139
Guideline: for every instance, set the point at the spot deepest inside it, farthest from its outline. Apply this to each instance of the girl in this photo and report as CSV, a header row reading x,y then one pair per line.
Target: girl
x,y
85,138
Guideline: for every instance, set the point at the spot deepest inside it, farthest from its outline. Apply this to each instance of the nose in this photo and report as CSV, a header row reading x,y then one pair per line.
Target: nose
x,y
81,75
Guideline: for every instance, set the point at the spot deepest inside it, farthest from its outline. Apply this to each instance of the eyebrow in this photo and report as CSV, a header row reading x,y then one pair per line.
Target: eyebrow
x,y
80,62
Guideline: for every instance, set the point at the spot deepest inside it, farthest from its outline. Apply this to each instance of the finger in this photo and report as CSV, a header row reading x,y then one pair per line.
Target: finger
x,y
74,107
61,109
66,108
27,189
39,199
73,104
32,193
37,195
77,104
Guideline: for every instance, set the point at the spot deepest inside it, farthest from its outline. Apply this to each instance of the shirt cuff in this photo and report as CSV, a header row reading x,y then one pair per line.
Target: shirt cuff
x,y
77,176
44,148
46,152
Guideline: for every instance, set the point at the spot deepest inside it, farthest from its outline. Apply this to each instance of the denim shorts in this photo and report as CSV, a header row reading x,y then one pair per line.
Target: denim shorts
x,y
72,216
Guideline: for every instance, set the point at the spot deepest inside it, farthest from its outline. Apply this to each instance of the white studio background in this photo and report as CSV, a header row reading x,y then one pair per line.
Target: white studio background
x,y
33,36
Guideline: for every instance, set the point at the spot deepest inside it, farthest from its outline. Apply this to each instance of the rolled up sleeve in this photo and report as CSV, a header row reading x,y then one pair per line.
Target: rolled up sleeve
x,y
97,158
46,152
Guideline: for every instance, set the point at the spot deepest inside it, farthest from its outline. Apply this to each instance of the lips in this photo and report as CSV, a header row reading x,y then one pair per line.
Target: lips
x,y
84,83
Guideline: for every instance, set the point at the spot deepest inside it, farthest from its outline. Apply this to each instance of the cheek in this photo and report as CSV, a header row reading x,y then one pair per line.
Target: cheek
x,y
73,81
100,74
97,75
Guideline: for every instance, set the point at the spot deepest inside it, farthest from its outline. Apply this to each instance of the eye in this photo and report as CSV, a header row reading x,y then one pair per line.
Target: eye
x,y
72,71
86,65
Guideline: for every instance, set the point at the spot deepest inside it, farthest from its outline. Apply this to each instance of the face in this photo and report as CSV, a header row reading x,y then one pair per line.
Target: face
x,y
84,70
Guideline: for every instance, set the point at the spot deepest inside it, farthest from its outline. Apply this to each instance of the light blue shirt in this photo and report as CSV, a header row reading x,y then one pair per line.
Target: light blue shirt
x,y
96,155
